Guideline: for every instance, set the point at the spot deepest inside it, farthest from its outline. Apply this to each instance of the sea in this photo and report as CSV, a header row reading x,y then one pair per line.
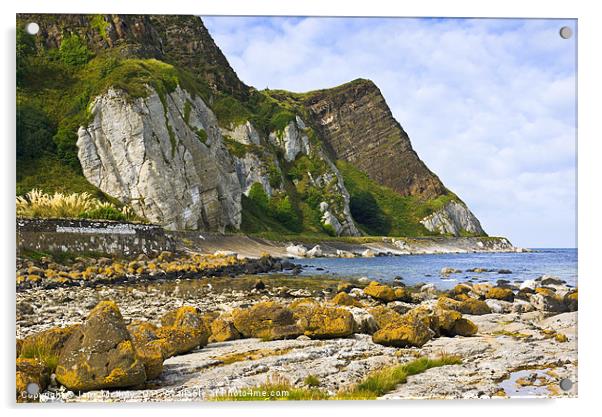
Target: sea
x,y
414,269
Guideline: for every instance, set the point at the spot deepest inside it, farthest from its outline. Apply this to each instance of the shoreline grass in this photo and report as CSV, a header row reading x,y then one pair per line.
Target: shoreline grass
x,y
374,385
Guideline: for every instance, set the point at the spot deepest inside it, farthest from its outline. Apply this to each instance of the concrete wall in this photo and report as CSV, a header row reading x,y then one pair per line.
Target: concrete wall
x,y
87,236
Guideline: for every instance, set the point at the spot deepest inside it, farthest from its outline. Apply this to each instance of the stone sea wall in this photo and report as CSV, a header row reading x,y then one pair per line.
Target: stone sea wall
x,y
85,236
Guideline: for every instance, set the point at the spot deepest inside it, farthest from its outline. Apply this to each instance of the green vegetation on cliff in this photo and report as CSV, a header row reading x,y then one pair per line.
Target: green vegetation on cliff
x,y
378,210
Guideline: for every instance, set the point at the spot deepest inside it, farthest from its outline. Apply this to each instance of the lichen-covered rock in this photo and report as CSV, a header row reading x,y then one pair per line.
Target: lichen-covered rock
x,y
30,371
385,293
383,315
468,306
323,322
223,329
150,348
482,288
499,293
266,320
100,353
345,287
364,321
461,289
571,300
499,306
344,299
48,343
183,329
410,330
546,299
465,327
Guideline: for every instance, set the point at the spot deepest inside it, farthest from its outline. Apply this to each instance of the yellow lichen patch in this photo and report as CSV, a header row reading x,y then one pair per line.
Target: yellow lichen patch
x,y
515,335
322,322
30,370
500,393
266,320
223,329
250,355
380,292
344,299
498,293
115,376
561,338
468,306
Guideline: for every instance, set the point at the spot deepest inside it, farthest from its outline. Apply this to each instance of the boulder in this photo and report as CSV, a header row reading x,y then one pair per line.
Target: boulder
x,y
183,330
410,330
546,299
368,253
47,345
31,371
461,289
385,293
529,284
223,329
448,271
100,353
364,321
465,327
344,254
345,287
468,306
498,293
344,299
571,300
521,306
481,289
296,250
383,315
266,320
499,306
551,280
150,349
322,322
443,322
314,252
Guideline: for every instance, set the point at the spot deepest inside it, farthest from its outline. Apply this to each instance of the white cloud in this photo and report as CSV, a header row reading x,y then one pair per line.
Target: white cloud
x,y
488,103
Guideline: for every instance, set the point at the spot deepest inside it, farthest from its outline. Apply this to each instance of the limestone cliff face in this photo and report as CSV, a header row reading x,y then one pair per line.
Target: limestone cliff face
x,y
144,153
454,218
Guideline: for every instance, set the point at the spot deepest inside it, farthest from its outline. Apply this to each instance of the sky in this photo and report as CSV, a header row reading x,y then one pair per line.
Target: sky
x,y
489,104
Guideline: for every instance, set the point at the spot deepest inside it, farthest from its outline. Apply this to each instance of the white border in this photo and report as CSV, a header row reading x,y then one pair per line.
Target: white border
x,y
589,179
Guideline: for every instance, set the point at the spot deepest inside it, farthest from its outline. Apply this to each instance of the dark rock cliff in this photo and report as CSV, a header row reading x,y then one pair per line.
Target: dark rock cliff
x,y
357,125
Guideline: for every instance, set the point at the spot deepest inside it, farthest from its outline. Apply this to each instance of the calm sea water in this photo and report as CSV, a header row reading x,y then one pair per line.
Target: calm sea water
x,y
426,268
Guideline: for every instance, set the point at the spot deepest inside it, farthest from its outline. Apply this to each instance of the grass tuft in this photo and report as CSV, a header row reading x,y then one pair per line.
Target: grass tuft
x,y
373,386
36,204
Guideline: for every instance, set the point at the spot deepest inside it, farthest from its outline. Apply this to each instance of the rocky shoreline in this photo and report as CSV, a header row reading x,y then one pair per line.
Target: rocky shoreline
x,y
197,339
254,247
